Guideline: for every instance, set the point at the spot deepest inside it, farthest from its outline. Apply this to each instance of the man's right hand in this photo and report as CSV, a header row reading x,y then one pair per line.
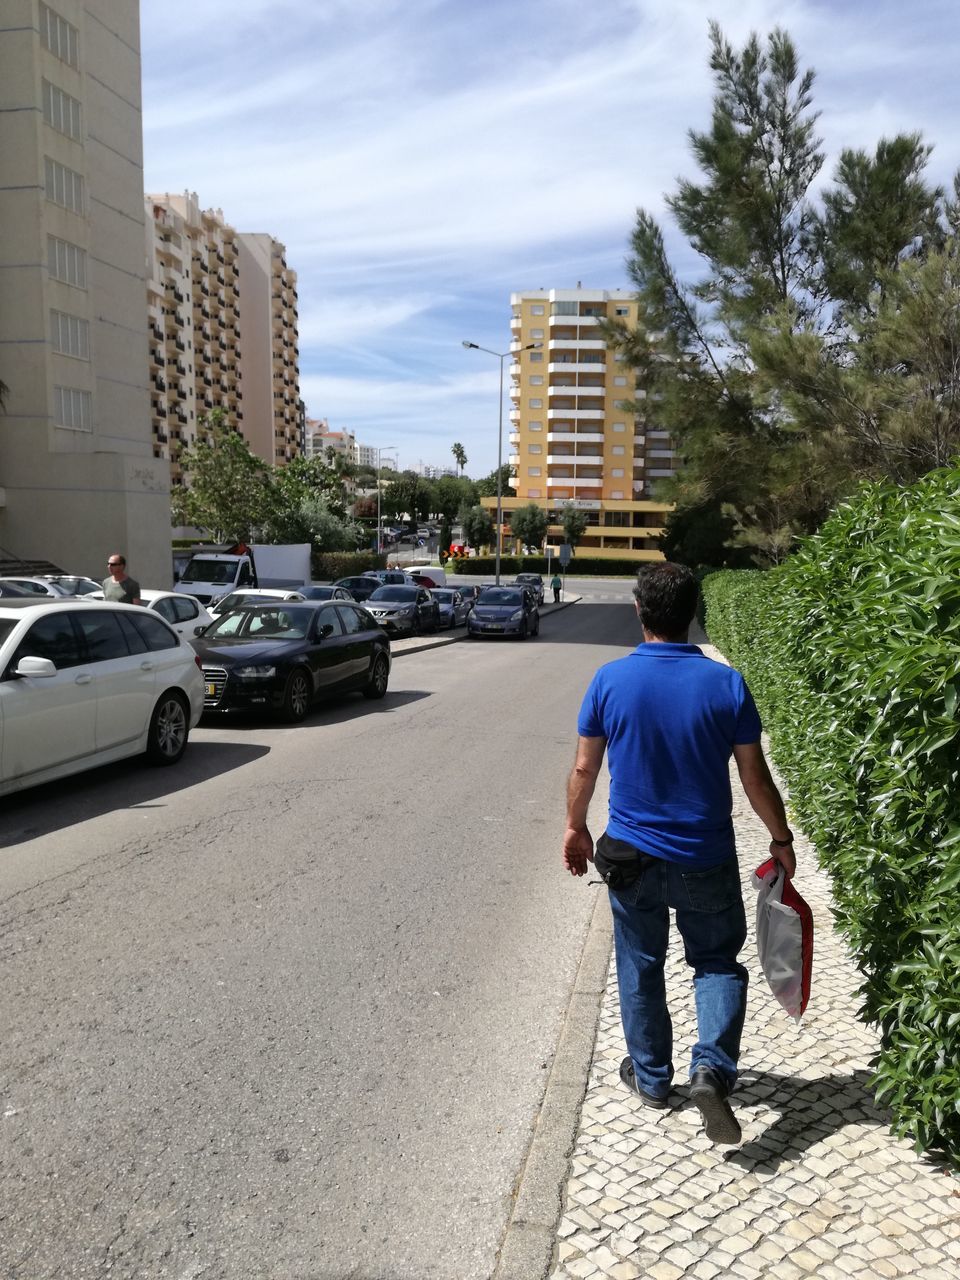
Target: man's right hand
x,y
577,850
785,855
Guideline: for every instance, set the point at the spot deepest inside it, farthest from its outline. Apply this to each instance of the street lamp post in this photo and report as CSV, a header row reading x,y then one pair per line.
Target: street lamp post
x,y
501,357
385,449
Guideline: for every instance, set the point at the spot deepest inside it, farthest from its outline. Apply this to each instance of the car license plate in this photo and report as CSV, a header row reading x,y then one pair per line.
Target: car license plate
x,y
211,690
494,626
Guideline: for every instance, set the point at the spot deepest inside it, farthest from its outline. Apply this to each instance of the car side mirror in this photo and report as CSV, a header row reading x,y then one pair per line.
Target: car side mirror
x,y
37,667
198,631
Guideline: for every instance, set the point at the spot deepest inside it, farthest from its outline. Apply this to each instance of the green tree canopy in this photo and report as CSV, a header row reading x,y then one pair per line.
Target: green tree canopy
x,y
459,457
228,489
529,525
574,525
477,527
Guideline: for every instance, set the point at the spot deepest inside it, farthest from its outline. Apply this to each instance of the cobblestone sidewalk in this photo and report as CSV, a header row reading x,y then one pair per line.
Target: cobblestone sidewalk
x,y
818,1187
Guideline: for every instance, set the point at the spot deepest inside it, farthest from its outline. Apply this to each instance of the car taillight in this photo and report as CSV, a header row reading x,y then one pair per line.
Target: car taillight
x,y
196,658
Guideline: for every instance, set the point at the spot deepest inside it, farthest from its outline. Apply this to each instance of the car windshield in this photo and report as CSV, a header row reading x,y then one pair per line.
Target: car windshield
x,y
237,598
528,577
214,571
319,593
263,622
407,595
501,595
445,597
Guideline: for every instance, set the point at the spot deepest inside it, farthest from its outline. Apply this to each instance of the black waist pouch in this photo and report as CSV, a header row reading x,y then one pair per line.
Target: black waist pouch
x,y
619,864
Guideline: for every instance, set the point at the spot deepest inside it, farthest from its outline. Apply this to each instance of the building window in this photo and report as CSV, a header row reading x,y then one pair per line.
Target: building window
x,y
619,382
69,335
66,262
535,426
57,35
617,473
618,448
63,186
536,380
536,404
533,493
536,310
536,333
619,426
536,448
61,112
564,309
619,357
533,471
621,311
72,408
617,493
536,357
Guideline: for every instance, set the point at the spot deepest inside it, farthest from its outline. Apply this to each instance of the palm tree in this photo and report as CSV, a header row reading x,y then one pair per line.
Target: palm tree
x,y
459,457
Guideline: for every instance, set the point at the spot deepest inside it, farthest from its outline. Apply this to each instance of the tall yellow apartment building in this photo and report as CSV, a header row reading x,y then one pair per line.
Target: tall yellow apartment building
x,y
78,474
572,441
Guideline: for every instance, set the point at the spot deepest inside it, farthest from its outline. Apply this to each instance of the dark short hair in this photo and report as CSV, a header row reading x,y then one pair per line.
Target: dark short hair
x,y
667,595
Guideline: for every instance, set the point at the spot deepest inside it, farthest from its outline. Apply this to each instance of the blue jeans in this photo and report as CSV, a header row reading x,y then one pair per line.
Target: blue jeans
x,y
712,923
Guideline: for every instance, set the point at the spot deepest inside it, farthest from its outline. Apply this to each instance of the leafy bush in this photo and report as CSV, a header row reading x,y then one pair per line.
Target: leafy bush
x,y
853,650
343,564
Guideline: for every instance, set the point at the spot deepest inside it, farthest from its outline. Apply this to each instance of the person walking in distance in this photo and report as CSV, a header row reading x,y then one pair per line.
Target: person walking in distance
x,y
119,586
669,720
556,583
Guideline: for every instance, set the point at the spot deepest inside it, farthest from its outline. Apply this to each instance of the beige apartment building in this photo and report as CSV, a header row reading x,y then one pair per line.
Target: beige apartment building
x,y
78,474
273,420
573,441
222,318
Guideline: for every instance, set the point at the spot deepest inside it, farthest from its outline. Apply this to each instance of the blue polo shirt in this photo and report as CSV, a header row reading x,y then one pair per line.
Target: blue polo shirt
x,y
671,717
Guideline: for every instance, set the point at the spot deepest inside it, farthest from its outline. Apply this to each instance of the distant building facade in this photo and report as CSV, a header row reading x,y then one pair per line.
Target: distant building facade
x,y
78,474
574,441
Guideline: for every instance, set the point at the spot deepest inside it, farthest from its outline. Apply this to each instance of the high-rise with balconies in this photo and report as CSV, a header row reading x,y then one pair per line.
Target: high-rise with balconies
x,y
574,440
273,412
78,475
193,318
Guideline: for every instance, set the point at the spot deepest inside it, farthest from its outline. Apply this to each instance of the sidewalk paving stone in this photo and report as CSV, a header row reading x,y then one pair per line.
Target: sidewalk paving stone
x,y
818,1188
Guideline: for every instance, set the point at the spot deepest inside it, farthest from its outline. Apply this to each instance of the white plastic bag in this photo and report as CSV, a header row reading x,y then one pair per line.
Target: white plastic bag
x,y
784,937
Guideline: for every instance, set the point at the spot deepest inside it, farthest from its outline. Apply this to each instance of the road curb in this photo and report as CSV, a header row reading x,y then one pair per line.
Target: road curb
x,y
526,1250
437,642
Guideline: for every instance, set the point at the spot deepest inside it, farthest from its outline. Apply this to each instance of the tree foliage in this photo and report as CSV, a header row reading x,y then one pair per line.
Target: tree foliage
x,y
814,348
459,457
477,527
574,524
228,490
529,525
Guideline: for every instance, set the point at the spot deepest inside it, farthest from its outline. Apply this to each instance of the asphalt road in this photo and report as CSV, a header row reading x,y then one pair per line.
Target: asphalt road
x,y
287,1010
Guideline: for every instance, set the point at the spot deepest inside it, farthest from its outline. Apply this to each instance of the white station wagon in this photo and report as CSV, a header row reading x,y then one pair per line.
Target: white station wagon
x,y
82,684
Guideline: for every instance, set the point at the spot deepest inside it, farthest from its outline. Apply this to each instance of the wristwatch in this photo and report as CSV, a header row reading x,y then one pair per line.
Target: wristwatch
x,y
782,844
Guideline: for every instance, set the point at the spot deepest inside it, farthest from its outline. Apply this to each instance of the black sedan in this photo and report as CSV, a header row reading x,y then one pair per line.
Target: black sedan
x,y
361,588
504,611
283,657
404,610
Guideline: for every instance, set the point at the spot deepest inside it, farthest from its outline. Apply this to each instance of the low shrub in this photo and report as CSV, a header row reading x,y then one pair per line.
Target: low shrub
x,y
852,649
344,564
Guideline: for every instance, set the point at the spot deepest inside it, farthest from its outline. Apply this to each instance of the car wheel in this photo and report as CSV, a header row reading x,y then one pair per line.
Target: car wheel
x,y
376,685
169,729
296,696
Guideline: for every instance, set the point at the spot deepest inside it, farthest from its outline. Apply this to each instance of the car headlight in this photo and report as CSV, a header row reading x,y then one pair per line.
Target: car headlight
x,y
517,617
255,673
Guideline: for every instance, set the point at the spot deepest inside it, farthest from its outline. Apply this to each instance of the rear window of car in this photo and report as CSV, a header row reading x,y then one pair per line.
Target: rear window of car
x,y
156,635
445,597
102,633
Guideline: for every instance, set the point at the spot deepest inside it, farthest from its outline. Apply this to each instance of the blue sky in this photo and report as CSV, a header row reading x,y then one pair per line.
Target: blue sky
x,y
422,159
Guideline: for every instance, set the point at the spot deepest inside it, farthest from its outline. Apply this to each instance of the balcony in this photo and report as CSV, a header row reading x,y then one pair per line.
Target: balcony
x,y
578,344
574,482
577,366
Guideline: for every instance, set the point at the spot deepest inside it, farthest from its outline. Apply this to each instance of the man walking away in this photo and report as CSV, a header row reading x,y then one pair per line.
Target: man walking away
x,y
120,587
670,719
557,584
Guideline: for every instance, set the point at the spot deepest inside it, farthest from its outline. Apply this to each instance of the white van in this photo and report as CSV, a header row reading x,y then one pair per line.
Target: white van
x,y
436,576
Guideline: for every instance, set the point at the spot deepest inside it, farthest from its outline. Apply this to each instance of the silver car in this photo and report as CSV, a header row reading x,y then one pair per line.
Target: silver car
x,y
453,607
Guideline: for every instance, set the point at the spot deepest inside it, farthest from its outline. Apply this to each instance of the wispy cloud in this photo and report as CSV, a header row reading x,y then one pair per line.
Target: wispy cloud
x,y
423,158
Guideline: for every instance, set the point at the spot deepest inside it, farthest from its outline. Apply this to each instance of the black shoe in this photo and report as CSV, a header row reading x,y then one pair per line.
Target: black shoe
x,y
629,1078
709,1094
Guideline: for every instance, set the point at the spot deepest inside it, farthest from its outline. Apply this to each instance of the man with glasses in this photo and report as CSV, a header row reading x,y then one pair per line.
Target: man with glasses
x,y
120,587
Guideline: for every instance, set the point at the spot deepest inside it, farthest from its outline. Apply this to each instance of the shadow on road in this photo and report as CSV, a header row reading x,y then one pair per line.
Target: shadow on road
x,y
594,624
128,784
333,710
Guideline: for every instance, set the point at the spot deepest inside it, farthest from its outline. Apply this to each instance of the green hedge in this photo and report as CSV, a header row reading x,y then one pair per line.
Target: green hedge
x,y
581,566
852,649
331,565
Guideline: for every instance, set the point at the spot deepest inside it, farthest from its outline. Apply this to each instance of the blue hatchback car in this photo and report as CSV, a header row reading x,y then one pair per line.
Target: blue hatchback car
x,y
504,611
